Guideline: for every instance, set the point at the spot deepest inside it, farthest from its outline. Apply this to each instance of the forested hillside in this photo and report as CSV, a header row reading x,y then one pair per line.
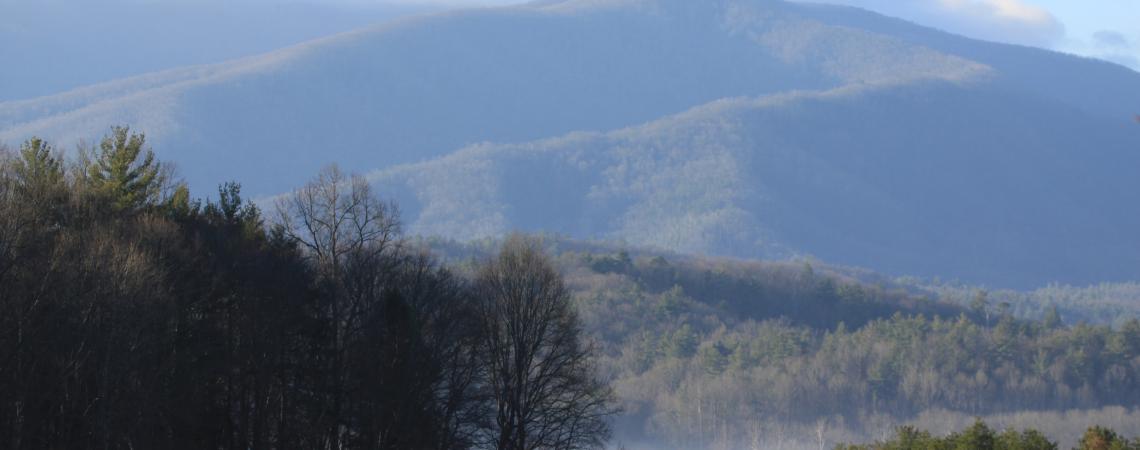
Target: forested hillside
x,y
564,225
1004,201
979,436
135,316
721,353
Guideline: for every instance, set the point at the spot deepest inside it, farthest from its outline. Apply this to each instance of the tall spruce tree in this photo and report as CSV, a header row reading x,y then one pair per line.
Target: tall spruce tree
x,y
123,168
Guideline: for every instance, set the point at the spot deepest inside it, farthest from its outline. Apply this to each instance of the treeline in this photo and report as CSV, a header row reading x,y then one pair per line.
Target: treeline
x,y
980,436
1105,304
712,353
134,317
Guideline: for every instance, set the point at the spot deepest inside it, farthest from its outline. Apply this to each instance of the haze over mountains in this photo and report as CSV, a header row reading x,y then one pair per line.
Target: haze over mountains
x,y
750,128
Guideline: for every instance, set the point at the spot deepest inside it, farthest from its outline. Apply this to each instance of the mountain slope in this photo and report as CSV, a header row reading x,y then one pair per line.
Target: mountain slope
x,y
752,128
1093,85
51,46
423,87
929,179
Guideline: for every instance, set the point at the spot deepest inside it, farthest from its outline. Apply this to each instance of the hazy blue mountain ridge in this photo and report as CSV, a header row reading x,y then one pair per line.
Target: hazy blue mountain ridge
x,y
933,178
1091,84
52,46
752,128
423,87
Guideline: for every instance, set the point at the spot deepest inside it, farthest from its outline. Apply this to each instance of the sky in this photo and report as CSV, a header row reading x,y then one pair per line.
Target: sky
x,y
1107,29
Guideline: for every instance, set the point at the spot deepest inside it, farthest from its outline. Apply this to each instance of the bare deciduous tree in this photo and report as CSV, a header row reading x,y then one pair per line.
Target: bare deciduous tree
x,y
544,387
350,234
336,216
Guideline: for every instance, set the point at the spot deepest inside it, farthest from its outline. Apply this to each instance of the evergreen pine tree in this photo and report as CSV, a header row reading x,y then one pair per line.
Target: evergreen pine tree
x,y
124,170
38,167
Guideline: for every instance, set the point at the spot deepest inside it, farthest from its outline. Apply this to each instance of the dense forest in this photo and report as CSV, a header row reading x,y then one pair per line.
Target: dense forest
x,y
981,436
724,353
133,316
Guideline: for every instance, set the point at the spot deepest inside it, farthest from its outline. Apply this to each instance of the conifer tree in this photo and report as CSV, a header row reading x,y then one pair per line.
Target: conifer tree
x,y
37,180
38,166
124,169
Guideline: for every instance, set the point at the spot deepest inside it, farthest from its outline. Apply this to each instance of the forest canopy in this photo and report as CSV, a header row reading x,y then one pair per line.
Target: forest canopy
x,y
980,436
132,315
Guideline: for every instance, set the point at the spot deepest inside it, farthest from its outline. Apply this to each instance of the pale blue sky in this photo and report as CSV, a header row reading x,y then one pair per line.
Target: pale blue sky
x,y
1088,16
1108,29
1084,19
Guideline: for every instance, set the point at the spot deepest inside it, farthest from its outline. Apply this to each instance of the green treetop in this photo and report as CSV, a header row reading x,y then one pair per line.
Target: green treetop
x,y
38,165
125,170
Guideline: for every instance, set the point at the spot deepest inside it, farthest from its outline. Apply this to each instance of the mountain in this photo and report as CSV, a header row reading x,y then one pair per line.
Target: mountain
x,y
753,128
52,46
929,178
418,88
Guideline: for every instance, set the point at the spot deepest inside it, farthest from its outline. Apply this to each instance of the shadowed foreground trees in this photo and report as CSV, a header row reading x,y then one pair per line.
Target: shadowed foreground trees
x,y
133,317
544,391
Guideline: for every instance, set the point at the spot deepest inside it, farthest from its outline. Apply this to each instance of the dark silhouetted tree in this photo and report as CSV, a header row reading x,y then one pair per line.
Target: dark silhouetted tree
x,y
545,391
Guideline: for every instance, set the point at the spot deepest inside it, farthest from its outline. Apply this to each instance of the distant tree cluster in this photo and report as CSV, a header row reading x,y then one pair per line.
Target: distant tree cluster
x,y
981,437
1105,304
722,353
134,317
